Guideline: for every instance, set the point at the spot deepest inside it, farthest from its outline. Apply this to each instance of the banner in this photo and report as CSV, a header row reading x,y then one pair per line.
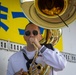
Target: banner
x,y
13,22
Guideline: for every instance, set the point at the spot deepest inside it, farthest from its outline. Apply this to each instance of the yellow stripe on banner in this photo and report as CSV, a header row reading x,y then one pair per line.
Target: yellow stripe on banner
x,y
59,45
14,24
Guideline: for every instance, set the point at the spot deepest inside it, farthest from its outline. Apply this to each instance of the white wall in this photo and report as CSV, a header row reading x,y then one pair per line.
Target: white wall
x,y
69,42
4,55
69,38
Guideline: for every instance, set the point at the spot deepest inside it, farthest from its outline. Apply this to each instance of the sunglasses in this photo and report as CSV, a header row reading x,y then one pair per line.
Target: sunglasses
x,y
34,32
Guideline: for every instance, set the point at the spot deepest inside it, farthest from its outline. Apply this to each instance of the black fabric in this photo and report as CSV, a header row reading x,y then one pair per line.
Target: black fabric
x,y
49,46
29,61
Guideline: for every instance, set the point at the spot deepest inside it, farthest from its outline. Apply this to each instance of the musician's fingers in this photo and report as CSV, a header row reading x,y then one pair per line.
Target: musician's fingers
x,y
19,72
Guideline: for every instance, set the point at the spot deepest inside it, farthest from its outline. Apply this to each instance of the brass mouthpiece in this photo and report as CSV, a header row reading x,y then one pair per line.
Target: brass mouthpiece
x,y
35,46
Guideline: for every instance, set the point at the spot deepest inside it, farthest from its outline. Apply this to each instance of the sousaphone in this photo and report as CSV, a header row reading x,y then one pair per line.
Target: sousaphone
x,y
51,15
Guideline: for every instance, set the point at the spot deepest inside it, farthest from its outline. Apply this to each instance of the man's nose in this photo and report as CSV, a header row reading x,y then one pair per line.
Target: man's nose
x,y
31,34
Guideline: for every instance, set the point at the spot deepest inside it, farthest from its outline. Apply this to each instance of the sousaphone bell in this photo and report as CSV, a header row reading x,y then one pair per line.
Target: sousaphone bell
x,y
50,14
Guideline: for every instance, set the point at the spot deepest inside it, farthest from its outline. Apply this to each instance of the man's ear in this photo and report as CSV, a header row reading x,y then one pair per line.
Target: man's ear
x,y
40,37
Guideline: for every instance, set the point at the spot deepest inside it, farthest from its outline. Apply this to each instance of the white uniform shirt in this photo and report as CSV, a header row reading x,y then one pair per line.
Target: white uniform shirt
x,y
53,58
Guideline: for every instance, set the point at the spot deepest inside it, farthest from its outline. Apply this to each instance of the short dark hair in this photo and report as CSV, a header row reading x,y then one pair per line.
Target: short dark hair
x,y
28,24
31,23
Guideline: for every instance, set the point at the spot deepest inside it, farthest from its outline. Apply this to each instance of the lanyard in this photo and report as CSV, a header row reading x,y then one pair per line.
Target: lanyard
x,y
29,61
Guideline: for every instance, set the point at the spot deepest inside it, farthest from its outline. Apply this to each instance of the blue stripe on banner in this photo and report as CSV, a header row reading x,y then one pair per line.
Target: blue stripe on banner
x,y
4,26
21,31
2,8
18,14
3,16
41,30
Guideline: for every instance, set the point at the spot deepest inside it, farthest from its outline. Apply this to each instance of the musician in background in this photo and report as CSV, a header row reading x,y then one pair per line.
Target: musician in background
x,y
33,58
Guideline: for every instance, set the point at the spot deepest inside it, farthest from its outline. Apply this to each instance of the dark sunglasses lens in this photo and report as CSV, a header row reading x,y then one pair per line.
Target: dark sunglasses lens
x,y
27,33
35,32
